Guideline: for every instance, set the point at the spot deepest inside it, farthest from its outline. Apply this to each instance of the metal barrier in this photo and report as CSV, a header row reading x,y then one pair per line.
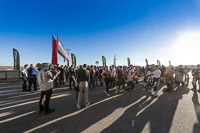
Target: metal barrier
x,y
10,74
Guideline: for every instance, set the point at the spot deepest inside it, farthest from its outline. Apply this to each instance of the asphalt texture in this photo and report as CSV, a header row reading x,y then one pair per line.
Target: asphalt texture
x,y
132,111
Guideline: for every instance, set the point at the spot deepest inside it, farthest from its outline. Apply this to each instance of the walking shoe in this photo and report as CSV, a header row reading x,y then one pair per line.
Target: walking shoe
x,y
87,105
78,106
105,92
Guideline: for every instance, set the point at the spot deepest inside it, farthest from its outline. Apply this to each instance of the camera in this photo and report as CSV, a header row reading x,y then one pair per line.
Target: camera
x,y
45,66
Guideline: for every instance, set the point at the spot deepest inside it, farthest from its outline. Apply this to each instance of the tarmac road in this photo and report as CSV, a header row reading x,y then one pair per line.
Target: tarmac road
x,y
132,111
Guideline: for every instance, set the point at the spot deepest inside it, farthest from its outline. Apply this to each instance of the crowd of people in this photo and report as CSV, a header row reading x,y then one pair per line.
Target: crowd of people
x,y
84,78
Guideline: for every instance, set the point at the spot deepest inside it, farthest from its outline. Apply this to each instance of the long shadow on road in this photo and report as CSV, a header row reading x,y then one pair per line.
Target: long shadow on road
x,y
196,128
156,118
82,120
107,114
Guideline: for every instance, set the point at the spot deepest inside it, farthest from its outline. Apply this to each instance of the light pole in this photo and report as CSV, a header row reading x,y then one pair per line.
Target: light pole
x,y
115,60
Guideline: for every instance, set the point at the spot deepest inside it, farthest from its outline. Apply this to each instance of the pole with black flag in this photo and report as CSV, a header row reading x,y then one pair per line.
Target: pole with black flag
x,y
158,62
146,62
115,60
129,62
73,60
16,59
104,61
170,63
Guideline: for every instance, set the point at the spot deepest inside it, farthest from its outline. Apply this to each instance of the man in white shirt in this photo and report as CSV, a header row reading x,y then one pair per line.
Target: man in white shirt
x,y
155,76
130,77
24,77
187,70
45,80
112,79
156,73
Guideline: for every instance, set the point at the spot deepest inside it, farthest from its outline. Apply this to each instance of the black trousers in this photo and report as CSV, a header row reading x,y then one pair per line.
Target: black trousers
x,y
107,81
56,82
131,84
92,82
96,80
112,82
101,80
70,83
61,81
32,81
46,103
24,85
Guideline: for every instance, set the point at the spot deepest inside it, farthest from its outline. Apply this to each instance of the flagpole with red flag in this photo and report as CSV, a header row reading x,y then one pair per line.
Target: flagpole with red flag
x,y
54,51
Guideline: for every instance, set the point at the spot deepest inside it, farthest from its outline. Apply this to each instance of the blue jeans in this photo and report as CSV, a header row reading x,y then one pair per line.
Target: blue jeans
x,y
154,79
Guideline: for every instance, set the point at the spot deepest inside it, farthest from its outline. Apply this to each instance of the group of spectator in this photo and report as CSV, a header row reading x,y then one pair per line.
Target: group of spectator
x,y
29,74
85,78
92,76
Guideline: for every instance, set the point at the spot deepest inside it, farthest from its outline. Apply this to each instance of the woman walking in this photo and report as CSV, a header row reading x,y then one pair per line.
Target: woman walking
x,y
107,76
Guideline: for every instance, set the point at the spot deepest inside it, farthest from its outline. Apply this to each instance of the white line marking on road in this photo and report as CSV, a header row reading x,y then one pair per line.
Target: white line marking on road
x,y
6,114
35,101
13,118
69,115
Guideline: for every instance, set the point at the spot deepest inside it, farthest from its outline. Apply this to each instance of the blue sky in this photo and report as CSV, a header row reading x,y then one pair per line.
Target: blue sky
x,y
139,29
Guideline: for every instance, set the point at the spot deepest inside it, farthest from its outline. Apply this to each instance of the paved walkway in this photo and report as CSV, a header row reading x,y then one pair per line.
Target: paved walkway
x,y
131,111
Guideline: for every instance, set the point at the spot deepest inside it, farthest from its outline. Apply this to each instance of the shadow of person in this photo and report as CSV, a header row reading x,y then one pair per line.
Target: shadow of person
x,y
155,117
196,128
98,116
123,123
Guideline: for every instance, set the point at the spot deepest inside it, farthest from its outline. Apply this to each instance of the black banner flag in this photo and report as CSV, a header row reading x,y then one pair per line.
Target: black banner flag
x,y
129,62
73,60
16,59
146,62
158,62
104,61
170,63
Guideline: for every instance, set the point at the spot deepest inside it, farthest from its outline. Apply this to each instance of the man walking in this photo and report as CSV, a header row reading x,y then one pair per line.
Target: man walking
x,y
130,78
155,77
61,76
187,70
113,74
25,77
119,79
45,80
32,72
70,76
92,80
83,78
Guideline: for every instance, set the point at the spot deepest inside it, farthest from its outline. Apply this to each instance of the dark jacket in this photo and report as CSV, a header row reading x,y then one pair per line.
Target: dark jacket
x,y
83,75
